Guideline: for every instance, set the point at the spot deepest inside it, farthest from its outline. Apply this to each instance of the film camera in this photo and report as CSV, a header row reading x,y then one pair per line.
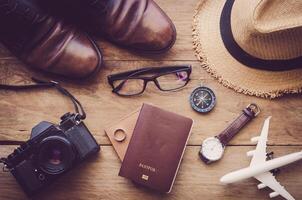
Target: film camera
x,y
51,151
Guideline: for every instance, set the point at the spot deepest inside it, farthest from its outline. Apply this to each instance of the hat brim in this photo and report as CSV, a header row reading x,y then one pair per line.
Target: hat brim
x,y
216,59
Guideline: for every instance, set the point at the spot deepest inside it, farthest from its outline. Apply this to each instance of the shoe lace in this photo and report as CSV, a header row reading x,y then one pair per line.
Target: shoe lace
x,y
98,5
21,12
17,17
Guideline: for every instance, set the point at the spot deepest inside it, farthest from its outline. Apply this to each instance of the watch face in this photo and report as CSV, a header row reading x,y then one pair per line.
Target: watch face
x,y
212,149
203,99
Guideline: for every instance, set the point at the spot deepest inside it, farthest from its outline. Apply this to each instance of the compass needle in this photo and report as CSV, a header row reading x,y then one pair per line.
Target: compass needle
x,y
203,99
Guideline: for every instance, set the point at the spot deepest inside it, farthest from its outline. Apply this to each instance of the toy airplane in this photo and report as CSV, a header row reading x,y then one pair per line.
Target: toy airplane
x,y
260,167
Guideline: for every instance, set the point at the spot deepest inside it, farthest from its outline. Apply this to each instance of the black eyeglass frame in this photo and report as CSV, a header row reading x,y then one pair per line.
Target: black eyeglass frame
x,y
137,74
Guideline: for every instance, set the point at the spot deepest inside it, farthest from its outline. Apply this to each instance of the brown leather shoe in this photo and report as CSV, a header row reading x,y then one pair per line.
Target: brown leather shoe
x,y
46,43
137,24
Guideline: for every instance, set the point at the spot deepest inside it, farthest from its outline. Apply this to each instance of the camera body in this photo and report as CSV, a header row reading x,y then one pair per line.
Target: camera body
x,y
51,151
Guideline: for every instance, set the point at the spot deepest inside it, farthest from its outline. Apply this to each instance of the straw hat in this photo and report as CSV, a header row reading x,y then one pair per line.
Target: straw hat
x,y
251,46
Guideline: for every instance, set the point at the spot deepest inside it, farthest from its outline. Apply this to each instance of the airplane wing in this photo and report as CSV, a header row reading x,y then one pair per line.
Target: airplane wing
x,y
268,180
259,155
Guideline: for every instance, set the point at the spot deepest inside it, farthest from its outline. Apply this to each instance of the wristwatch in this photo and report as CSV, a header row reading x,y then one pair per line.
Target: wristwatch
x,y
212,148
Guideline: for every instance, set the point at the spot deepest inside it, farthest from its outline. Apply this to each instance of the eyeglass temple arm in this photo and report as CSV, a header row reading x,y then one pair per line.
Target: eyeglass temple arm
x,y
167,68
147,70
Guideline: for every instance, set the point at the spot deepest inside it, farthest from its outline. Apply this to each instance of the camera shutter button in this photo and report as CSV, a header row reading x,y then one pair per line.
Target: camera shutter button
x,y
65,116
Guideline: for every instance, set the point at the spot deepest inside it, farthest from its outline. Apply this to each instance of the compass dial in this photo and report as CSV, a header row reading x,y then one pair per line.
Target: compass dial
x,y
203,99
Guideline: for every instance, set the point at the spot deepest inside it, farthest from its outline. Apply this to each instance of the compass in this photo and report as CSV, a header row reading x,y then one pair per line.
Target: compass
x,y
202,99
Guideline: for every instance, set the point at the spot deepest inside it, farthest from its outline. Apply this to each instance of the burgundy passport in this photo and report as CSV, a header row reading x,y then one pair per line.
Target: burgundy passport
x,y
156,148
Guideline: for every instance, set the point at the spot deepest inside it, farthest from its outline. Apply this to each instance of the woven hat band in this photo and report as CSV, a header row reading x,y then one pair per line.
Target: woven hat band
x,y
261,41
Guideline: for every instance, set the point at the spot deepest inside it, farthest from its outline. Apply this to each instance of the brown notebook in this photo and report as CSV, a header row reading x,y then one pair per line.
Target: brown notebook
x,y
156,148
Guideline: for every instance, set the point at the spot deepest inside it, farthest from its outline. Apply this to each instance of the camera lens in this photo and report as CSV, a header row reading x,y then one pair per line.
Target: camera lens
x,y
55,155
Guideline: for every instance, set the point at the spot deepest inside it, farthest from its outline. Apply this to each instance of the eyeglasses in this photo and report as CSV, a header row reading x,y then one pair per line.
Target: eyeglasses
x,y
135,82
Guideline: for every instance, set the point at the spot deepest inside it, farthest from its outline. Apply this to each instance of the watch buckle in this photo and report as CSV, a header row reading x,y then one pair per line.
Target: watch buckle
x,y
255,108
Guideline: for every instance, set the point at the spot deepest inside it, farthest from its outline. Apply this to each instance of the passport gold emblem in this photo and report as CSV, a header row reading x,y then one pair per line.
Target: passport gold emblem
x,y
145,177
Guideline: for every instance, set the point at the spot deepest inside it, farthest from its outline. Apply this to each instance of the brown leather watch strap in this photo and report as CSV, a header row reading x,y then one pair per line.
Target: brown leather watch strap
x,y
247,115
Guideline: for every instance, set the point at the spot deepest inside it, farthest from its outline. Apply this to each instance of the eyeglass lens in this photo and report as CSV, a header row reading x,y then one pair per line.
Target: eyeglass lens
x,y
172,81
129,86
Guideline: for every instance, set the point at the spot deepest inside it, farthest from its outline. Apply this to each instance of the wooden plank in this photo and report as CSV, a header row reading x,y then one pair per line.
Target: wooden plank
x,y
98,179
21,111
181,14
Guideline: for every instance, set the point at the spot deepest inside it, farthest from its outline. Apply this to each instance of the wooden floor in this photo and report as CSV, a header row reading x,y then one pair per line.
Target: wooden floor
x,y
98,179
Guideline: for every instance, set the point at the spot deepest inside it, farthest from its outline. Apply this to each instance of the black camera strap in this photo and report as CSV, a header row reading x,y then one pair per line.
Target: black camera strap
x,y
48,84
81,115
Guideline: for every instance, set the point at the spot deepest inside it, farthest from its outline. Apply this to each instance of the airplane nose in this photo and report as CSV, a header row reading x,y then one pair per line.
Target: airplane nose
x,y
224,180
